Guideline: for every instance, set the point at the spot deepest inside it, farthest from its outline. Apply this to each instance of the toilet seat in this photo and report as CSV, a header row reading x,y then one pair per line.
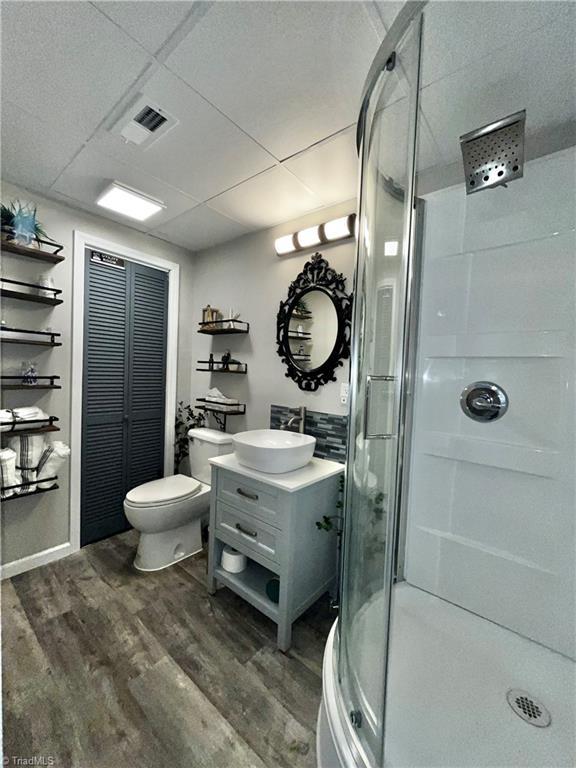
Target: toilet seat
x,y
167,490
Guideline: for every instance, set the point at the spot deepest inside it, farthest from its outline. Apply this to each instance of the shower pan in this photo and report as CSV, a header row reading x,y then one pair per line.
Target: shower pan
x,y
455,643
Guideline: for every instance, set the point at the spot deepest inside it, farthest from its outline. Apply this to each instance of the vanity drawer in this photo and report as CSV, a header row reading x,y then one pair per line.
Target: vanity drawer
x,y
250,496
247,532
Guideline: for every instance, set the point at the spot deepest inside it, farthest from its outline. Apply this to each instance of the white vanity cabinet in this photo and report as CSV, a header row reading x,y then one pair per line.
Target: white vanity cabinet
x,y
272,520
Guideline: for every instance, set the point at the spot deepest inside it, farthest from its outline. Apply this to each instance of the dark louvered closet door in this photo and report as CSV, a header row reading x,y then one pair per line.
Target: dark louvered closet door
x,y
124,388
147,375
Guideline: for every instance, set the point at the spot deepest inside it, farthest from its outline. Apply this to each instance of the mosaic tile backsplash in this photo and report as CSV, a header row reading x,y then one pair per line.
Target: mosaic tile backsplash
x,y
329,430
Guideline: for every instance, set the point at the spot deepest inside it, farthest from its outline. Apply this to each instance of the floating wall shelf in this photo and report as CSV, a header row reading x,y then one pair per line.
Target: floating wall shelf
x,y
39,427
30,493
224,327
220,413
9,293
231,410
219,367
43,382
31,252
49,341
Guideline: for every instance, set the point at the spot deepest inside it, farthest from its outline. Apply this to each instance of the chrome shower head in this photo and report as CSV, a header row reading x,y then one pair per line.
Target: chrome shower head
x,y
494,154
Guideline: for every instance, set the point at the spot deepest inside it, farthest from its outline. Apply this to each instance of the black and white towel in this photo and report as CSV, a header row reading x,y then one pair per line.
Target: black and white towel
x,y
29,450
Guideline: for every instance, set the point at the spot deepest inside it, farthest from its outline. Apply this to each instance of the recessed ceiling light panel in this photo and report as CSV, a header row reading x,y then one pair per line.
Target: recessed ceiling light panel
x,y
129,202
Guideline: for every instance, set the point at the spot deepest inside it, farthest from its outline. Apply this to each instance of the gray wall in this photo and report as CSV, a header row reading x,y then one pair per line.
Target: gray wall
x,y
40,522
247,274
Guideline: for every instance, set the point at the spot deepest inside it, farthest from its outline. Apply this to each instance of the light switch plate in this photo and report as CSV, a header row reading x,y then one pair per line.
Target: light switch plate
x,y
344,392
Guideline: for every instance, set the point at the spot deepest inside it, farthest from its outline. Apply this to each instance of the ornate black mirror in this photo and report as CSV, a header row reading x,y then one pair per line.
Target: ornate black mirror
x,y
314,324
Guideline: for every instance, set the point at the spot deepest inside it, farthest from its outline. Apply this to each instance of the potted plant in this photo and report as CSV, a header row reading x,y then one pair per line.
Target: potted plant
x,y
20,224
185,419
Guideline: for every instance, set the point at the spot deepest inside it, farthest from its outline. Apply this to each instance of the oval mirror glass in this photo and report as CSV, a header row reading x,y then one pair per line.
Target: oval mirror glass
x,y
313,330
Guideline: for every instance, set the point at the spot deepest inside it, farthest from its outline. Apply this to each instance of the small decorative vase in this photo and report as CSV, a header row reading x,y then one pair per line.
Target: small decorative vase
x,y
24,226
29,374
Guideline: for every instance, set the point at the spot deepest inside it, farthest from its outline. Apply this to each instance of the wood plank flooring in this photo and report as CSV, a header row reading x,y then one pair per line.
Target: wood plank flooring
x,y
106,667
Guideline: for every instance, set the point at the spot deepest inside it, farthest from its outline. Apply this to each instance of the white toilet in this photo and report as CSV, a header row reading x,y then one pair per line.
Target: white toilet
x,y
169,512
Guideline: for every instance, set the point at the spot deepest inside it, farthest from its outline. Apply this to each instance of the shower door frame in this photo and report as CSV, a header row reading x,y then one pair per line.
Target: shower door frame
x,y
404,363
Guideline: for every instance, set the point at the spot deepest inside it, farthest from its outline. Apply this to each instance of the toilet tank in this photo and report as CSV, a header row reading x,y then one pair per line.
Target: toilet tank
x,y
205,444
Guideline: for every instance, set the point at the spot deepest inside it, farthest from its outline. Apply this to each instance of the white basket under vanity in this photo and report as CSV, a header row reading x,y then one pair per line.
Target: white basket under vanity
x,y
272,520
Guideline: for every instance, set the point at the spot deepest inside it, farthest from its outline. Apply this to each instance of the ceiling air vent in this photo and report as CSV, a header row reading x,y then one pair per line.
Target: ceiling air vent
x,y
144,123
150,119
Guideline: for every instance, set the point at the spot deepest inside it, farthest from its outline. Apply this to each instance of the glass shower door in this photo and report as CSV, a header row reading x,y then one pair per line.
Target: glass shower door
x,y
375,436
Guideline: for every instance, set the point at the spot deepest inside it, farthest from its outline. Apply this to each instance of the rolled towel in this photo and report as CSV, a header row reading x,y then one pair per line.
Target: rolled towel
x,y
19,416
29,450
8,473
52,459
7,419
30,412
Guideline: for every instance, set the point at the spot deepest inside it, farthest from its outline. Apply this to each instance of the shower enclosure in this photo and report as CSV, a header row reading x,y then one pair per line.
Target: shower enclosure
x,y
455,644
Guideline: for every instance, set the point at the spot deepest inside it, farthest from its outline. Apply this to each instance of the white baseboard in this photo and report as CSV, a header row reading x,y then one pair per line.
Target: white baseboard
x,y
34,561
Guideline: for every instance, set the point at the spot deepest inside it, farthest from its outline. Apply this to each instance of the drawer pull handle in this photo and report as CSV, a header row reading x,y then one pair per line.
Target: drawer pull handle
x,y
253,534
251,496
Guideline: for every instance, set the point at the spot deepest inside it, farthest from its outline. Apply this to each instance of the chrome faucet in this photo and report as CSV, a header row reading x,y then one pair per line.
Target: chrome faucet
x,y
299,418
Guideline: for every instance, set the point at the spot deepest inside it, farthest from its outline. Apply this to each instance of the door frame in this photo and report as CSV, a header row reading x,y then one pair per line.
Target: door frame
x,y
83,240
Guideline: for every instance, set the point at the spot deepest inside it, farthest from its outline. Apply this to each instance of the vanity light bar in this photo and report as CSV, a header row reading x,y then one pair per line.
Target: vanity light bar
x,y
336,229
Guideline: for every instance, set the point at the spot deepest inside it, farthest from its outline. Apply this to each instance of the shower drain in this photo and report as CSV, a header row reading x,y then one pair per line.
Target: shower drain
x,y
528,708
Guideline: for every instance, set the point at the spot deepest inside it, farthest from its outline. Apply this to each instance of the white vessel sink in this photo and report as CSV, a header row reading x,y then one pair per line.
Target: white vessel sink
x,y
273,450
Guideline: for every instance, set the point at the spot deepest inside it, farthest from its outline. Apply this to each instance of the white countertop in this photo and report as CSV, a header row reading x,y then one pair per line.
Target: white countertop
x,y
313,472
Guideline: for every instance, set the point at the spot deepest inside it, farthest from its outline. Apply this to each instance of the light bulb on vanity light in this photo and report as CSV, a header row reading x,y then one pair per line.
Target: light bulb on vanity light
x,y
337,229
308,237
284,245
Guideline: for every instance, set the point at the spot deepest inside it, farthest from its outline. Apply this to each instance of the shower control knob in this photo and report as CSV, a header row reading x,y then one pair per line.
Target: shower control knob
x,y
484,401
356,718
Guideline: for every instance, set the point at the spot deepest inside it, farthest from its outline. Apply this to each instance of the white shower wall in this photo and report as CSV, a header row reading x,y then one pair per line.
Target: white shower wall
x,y
491,511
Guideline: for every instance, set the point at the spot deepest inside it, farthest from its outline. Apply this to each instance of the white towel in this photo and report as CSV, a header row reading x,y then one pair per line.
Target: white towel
x,y
222,400
52,459
8,474
29,450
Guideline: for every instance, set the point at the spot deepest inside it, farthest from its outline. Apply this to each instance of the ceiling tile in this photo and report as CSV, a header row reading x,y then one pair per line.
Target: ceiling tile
x,y
200,228
66,62
293,70
504,83
204,154
88,175
471,30
329,169
150,23
270,198
33,153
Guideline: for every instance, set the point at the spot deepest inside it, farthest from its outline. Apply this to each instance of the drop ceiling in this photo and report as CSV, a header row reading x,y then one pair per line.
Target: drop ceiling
x,y
265,97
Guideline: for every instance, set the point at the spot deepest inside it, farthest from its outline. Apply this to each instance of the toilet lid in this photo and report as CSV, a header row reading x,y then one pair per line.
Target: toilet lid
x,y
164,491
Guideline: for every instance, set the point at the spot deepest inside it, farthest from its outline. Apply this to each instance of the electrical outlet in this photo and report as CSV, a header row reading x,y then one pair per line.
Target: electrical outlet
x,y
344,392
